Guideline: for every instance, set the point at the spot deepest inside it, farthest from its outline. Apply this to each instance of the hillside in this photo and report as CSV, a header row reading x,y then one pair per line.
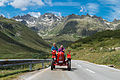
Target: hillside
x,y
74,26
102,48
18,41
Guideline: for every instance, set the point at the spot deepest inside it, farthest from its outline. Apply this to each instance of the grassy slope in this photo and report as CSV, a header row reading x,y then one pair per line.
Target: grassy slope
x,y
99,48
18,41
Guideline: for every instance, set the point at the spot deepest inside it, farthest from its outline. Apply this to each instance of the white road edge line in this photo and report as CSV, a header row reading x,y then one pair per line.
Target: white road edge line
x,y
79,65
90,70
37,74
109,67
76,63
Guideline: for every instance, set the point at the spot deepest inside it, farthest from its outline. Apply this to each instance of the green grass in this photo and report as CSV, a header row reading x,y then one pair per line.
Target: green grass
x,y
106,58
18,41
98,48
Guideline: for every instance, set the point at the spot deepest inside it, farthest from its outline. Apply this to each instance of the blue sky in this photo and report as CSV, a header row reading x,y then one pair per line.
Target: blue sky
x,y
108,9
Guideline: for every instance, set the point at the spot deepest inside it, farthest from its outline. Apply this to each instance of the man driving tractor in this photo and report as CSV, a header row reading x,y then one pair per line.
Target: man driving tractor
x,y
54,47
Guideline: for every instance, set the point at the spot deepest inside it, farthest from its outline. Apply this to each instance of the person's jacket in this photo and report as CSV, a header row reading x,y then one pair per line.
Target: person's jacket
x,y
61,49
54,48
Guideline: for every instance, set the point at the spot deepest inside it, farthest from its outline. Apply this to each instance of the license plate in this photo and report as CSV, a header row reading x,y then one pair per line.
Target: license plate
x,y
60,61
60,57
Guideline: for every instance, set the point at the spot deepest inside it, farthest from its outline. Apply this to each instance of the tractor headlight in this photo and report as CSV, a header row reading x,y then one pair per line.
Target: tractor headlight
x,y
54,58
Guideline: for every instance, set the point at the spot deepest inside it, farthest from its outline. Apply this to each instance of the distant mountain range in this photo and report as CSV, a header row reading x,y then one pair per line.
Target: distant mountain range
x,y
67,29
42,24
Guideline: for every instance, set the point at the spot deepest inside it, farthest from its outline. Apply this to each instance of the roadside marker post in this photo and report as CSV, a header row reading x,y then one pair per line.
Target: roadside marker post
x,y
43,65
30,67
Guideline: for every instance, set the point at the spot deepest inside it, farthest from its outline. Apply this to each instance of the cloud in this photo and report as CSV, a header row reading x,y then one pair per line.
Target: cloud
x,y
2,2
66,4
39,2
81,10
23,4
114,13
109,1
114,6
35,14
48,2
23,9
92,8
56,13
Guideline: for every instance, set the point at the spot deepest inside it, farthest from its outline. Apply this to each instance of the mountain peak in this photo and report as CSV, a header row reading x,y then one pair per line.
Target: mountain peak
x,y
28,15
48,14
72,16
23,16
88,15
116,21
100,18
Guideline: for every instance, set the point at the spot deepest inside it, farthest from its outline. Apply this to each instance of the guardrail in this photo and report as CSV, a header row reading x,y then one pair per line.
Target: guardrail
x,y
13,62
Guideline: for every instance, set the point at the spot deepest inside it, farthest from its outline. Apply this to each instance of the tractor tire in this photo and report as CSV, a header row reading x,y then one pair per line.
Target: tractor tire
x,y
69,65
52,65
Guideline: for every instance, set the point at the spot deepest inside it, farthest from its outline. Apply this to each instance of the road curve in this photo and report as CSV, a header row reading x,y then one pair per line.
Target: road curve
x,y
81,70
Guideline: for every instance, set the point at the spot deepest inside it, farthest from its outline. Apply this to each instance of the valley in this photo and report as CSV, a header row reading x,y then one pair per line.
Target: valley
x,y
28,34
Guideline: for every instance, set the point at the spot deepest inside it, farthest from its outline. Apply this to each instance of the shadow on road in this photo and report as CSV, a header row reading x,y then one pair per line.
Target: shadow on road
x,y
64,69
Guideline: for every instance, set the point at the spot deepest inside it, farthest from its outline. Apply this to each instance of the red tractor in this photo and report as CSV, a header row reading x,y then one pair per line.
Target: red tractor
x,y
59,59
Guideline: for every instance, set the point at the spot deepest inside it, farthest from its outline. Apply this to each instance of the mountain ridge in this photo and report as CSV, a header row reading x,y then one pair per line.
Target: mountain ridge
x,y
51,26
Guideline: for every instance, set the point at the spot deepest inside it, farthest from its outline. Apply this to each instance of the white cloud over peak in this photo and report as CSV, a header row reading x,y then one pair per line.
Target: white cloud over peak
x,y
23,9
109,1
39,2
48,2
114,5
66,4
2,2
23,4
82,9
55,13
35,14
92,8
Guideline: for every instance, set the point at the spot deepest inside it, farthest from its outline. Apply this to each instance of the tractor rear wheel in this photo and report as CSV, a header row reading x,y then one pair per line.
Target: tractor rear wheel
x,y
52,65
69,65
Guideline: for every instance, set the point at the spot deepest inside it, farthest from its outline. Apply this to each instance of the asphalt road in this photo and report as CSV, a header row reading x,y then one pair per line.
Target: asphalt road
x,y
81,70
